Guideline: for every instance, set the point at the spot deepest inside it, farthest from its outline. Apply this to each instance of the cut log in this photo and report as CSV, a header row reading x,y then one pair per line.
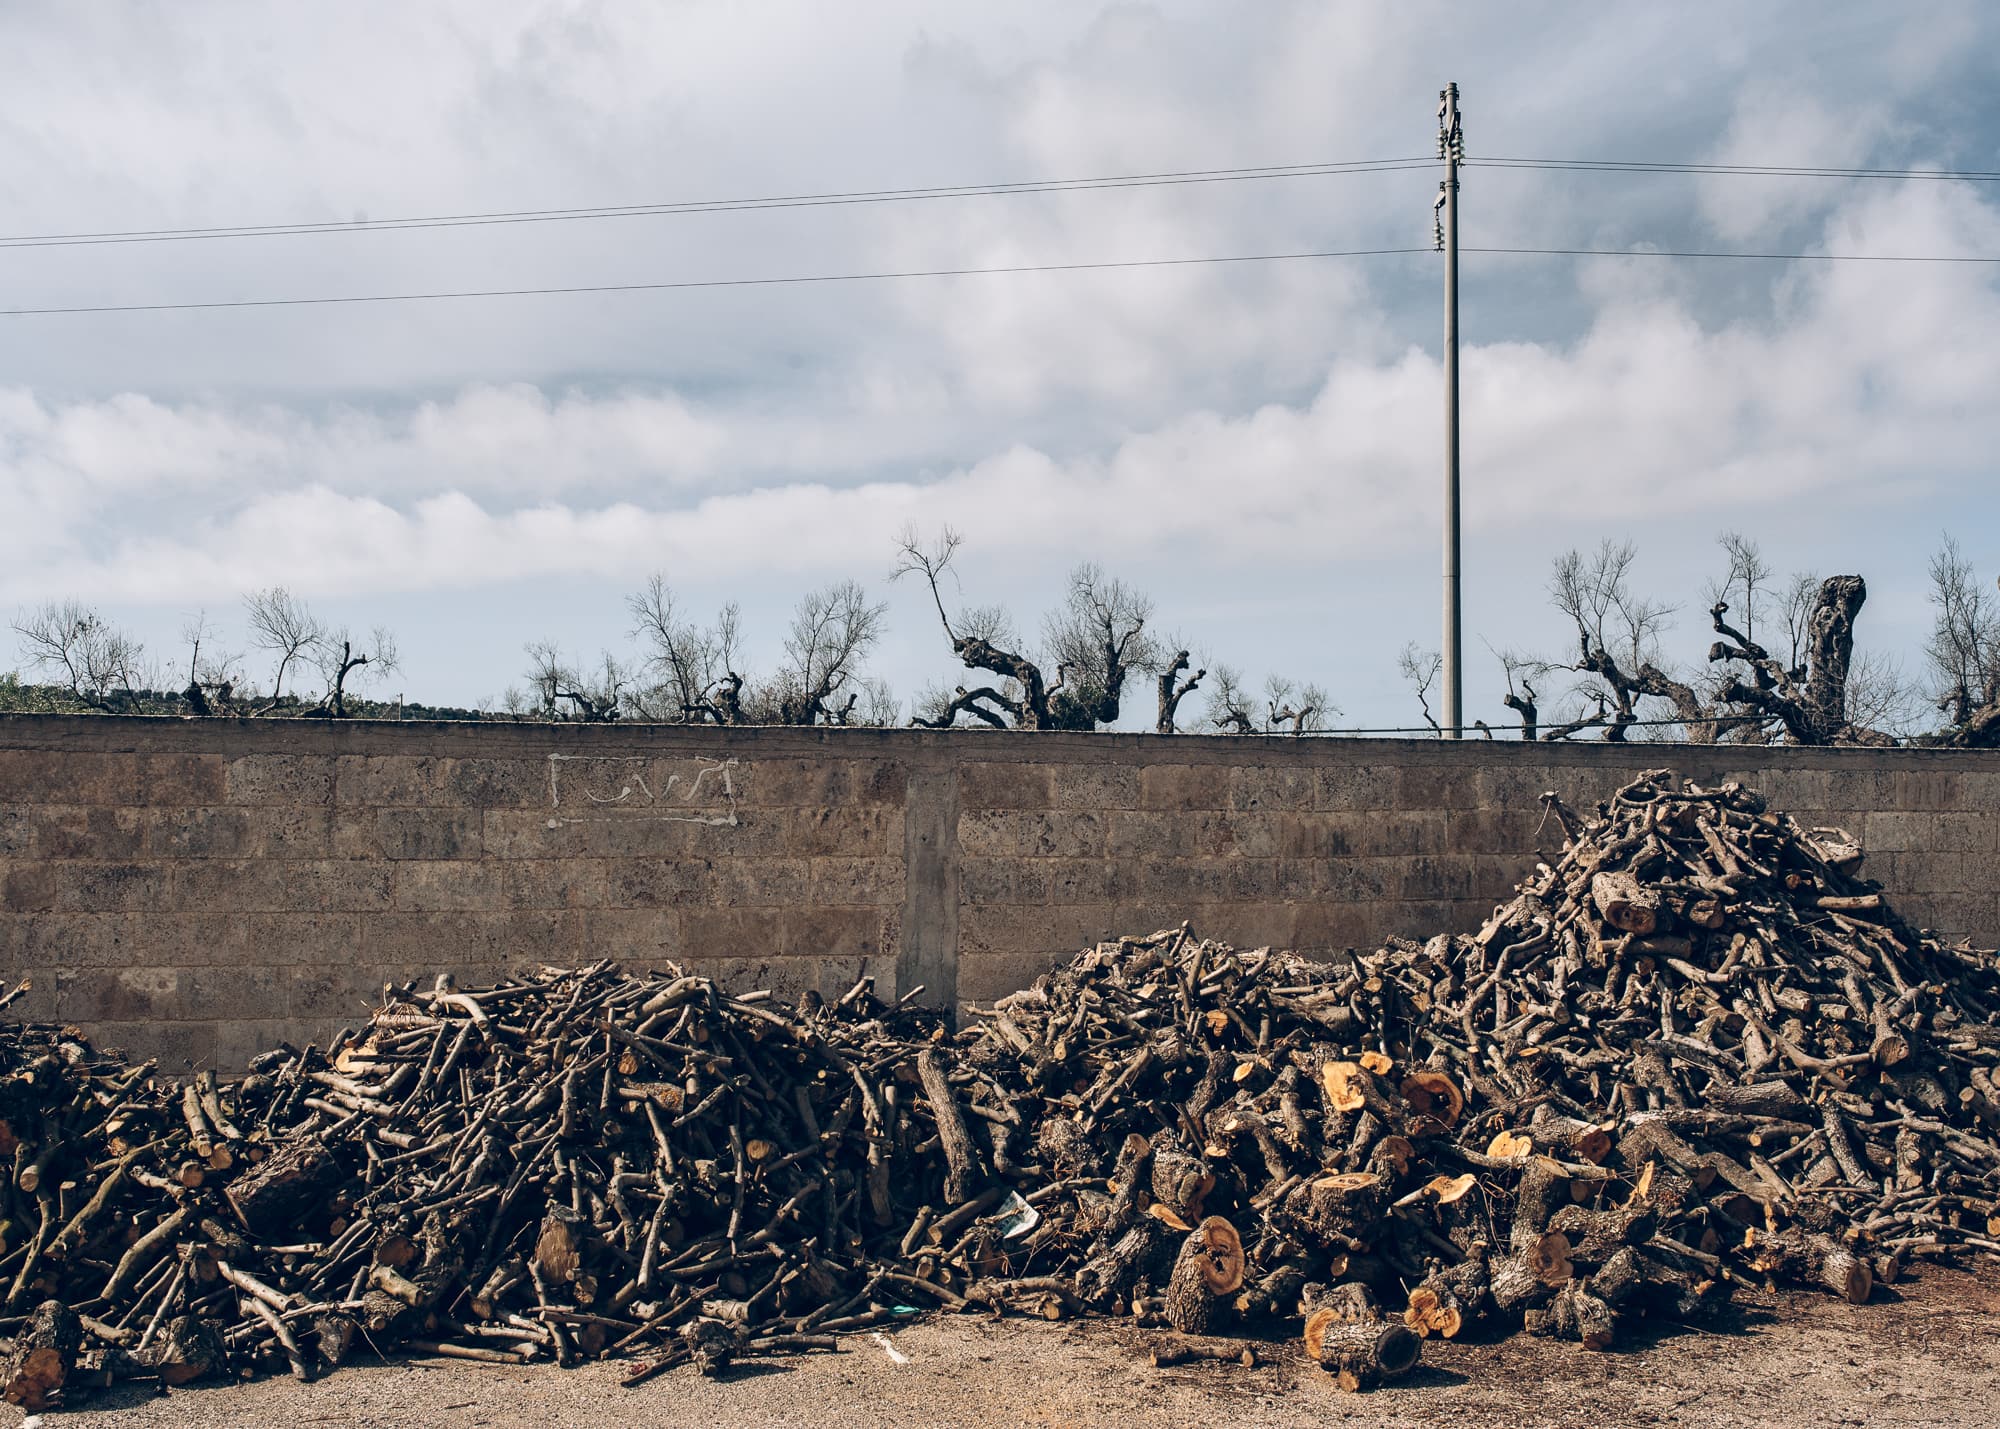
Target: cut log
x,y
287,1190
1361,1354
38,1362
1626,903
1209,1267
962,1172
1814,1259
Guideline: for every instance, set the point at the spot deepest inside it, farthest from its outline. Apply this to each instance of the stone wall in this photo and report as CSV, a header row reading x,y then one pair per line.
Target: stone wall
x,y
199,889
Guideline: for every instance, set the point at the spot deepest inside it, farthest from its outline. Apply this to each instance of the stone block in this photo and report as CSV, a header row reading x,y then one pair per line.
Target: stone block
x,y
657,883
835,933
97,831
1246,925
733,932
1359,880
303,939
760,882
167,779
794,783
1180,787
283,833
637,937
301,780
871,882
878,781
35,776
494,783
200,833
1063,880
1271,788
129,994
1095,786
1437,786
1892,832
1248,834
1354,787
87,886
1328,925
447,938
428,884
1005,785
1029,833
988,880
1164,834
554,883
375,781
407,833
990,976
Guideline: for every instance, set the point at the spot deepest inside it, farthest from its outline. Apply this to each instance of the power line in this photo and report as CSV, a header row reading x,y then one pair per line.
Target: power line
x,y
1003,270
1166,178
1756,257
707,283
1787,171
738,205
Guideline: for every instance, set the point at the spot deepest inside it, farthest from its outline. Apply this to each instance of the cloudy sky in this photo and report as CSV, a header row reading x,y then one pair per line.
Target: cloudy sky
x,y
1256,444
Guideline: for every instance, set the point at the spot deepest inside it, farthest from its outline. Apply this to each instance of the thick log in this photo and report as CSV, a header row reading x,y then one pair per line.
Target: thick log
x,y
285,1191
39,1360
1361,1354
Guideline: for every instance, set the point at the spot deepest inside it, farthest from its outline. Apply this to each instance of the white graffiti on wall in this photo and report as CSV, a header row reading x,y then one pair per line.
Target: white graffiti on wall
x,y
590,788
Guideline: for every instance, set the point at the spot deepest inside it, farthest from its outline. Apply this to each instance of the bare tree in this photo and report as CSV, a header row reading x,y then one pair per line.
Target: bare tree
x,y
1809,699
1173,689
1420,669
284,626
1520,696
832,631
211,680
339,660
1299,706
1229,705
96,662
1618,634
689,663
1745,584
1963,650
564,692
1095,639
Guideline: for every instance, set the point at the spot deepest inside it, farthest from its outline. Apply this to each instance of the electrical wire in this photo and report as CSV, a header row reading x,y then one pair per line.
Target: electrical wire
x,y
741,205
1173,177
705,283
1008,269
1786,171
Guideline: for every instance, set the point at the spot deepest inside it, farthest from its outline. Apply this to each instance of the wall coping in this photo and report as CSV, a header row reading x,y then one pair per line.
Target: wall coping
x,y
171,734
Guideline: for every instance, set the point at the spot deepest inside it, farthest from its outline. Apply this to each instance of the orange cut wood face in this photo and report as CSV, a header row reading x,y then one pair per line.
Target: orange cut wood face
x,y
1222,1256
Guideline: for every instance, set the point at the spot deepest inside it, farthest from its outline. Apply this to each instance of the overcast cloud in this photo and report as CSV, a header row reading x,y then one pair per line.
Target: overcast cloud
x,y
1257,444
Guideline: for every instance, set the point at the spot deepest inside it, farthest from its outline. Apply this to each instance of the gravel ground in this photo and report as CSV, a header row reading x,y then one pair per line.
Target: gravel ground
x,y
1921,1354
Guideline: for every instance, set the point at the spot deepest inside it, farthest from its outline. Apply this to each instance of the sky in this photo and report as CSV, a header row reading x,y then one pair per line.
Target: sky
x,y
1257,445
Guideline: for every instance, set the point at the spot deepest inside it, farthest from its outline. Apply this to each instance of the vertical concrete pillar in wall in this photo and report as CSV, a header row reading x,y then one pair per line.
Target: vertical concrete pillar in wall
x,y
928,950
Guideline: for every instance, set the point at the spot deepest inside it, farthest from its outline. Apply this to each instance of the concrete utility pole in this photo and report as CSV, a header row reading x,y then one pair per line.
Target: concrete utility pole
x,y
1451,148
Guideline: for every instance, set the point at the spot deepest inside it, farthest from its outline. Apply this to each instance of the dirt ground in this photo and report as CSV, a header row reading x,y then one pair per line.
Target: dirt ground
x,y
1922,1353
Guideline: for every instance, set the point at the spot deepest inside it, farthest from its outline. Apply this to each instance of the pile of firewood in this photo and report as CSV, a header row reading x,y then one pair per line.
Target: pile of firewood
x,y
1696,1051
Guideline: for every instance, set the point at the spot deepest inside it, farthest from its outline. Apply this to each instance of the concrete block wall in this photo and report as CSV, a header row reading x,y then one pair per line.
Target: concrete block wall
x,y
198,890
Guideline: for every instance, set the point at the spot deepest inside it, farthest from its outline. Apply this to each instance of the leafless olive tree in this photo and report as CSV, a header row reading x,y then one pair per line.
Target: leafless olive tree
x,y
832,631
564,691
342,661
1963,651
283,626
693,666
96,663
1095,639
1419,669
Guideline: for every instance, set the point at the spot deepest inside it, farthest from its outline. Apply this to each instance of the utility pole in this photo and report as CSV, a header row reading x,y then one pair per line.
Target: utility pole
x,y
1451,148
